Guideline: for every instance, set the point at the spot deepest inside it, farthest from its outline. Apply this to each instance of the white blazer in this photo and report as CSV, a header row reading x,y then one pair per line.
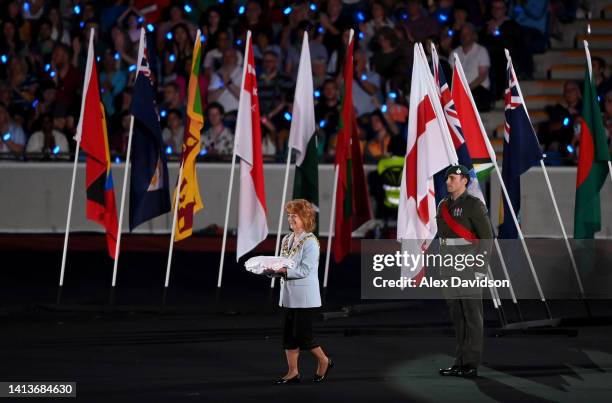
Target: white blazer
x,y
300,289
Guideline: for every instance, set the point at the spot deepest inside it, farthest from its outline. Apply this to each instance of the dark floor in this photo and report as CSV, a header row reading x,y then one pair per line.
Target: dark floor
x,y
226,347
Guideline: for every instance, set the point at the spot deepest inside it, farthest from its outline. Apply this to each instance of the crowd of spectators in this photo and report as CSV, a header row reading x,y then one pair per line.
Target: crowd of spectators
x,y
43,50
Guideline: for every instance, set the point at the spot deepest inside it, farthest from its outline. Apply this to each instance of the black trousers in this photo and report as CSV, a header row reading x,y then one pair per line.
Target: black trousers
x,y
297,329
466,315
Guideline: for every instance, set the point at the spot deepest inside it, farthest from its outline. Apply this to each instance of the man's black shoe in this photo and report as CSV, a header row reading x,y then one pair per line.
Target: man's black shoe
x,y
466,372
452,371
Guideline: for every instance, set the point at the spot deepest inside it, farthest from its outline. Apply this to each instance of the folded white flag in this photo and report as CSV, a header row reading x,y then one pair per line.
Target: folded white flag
x,y
258,264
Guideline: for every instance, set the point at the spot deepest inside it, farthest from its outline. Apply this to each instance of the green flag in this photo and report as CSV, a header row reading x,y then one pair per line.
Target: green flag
x,y
593,160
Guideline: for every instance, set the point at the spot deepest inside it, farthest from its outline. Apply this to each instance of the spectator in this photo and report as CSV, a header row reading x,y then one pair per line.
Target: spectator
x,y
66,77
273,88
58,32
252,21
212,26
112,82
558,132
119,139
174,131
419,26
327,114
501,33
217,140
10,42
460,18
23,86
370,28
171,98
13,139
387,57
47,142
127,51
263,43
177,16
533,17
475,61
377,147
366,85
317,50
214,58
224,86
602,81
180,49
334,24
44,42
319,72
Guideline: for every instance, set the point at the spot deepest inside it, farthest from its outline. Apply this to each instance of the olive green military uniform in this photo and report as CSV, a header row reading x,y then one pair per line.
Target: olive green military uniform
x,y
465,304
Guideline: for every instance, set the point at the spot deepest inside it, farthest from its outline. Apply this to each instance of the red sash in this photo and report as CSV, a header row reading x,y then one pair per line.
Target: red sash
x,y
455,226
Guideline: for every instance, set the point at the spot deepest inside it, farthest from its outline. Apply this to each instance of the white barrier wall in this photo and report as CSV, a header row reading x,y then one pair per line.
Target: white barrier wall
x,y
34,198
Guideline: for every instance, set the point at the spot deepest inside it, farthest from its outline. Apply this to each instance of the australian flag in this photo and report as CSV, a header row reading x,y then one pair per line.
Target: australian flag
x,y
521,151
149,190
454,127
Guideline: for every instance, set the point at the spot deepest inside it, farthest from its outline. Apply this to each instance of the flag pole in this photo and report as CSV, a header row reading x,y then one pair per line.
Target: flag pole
x,y
75,165
231,181
227,211
506,195
125,175
332,220
550,189
282,209
174,218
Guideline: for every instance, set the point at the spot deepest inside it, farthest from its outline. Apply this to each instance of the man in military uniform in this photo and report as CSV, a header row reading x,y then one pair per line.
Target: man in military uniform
x,y
464,228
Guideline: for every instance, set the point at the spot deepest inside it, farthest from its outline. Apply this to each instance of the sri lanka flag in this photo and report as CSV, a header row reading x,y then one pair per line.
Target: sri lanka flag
x,y
91,129
149,190
189,199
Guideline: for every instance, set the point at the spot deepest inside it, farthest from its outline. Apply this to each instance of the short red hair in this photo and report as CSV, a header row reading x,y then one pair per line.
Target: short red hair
x,y
304,210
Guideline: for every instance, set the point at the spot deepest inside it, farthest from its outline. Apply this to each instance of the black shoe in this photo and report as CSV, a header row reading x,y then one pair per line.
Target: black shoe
x,y
452,371
467,372
320,378
287,381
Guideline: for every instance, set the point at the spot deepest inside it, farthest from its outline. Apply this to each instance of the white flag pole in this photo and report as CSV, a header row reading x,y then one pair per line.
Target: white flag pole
x,y
505,191
548,184
176,206
127,167
174,218
282,209
332,220
231,180
90,61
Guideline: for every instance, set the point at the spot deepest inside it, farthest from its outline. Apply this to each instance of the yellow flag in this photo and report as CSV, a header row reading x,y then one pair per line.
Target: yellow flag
x,y
189,199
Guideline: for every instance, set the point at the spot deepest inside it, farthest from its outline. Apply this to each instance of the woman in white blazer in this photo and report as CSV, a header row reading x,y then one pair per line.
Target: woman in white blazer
x,y
299,291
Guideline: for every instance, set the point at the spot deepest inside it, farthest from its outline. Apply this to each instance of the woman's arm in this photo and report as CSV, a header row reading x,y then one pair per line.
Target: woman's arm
x,y
310,261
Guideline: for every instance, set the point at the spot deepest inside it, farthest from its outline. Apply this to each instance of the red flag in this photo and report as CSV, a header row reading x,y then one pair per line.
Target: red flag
x,y
101,206
352,201
468,116
252,210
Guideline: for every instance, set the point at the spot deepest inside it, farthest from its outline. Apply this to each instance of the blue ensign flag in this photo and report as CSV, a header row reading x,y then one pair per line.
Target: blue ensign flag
x,y
149,190
521,152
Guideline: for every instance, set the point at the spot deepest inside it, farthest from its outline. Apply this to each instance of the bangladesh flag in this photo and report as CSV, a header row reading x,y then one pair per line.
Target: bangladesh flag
x,y
593,160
